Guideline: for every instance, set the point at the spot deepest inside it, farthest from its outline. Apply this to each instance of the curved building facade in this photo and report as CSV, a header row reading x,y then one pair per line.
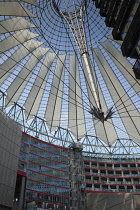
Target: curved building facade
x,y
48,169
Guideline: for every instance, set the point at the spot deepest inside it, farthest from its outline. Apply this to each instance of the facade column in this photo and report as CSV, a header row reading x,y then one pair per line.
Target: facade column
x,y
22,193
76,175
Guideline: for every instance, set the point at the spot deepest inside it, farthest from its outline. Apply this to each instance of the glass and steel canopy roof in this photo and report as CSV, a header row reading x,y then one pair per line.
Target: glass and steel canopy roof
x,y
60,63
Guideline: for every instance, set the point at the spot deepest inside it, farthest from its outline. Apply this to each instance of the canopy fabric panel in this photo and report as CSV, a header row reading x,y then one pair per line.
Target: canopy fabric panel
x,y
98,126
101,132
76,114
53,110
18,9
14,24
91,81
123,103
117,41
108,136
90,85
106,131
31,2
7,67
123,64
19,83
35,95
101,129
50,83
15,39
109,131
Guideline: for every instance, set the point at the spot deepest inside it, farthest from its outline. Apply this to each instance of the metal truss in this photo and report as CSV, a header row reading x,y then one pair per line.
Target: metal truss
x,y
121,149
64,134
92,145
38,128
16,112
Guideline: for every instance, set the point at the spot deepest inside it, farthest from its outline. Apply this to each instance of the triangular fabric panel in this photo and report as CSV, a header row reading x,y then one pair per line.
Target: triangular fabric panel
x,y
14,8
31,2
106,130
90,79
7,67
117,41
14,24
124,105
19,83
53,110
15,39
101,129
123,64
35,95
76,113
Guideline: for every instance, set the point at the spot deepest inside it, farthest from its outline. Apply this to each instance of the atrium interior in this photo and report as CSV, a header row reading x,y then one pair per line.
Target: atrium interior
x,y
70,104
